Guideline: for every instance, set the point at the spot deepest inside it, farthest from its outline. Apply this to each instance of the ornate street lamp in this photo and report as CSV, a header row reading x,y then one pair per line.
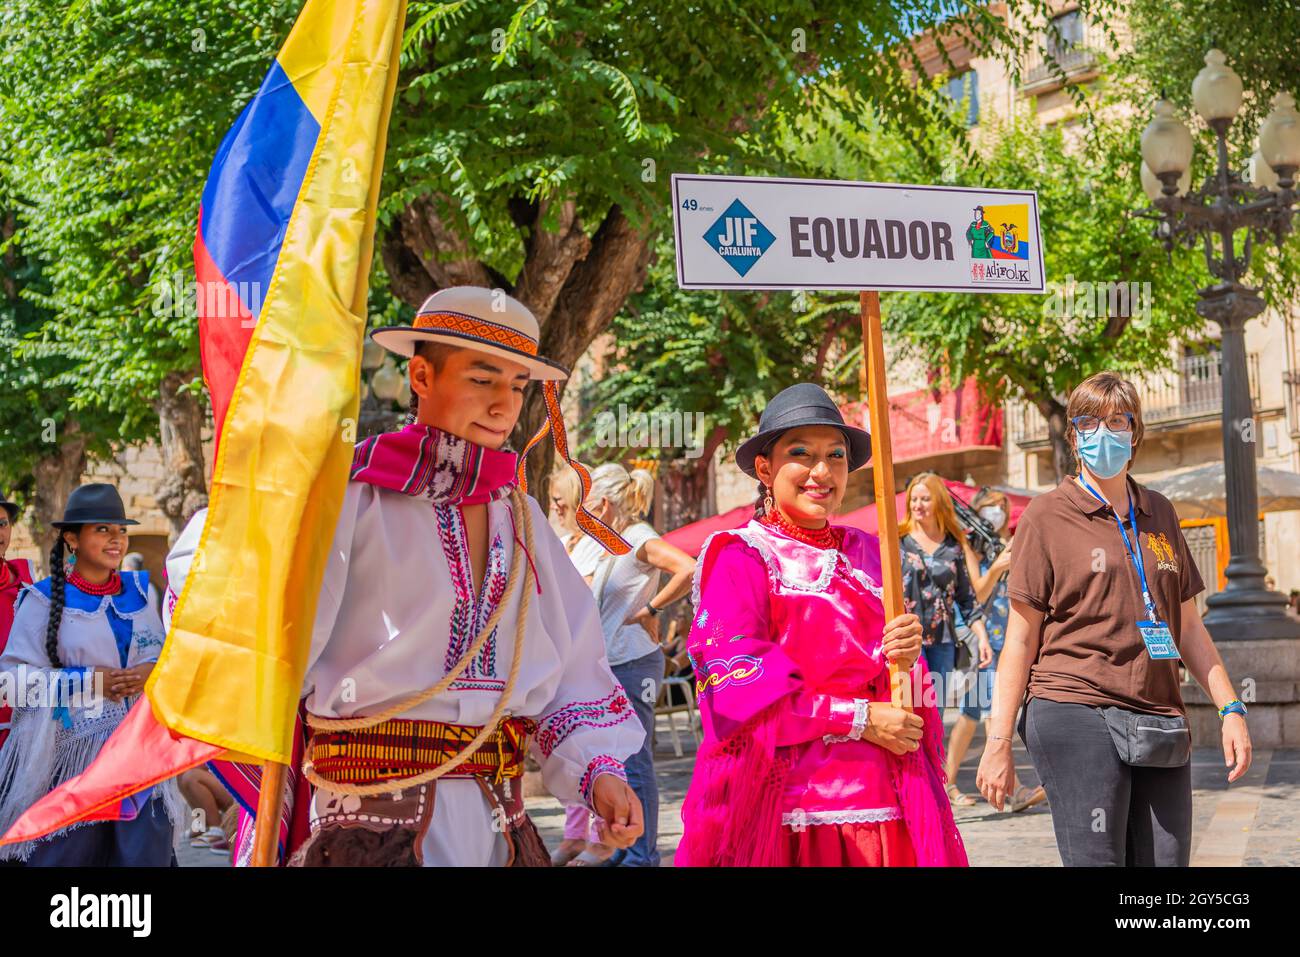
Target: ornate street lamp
x,y
1213,214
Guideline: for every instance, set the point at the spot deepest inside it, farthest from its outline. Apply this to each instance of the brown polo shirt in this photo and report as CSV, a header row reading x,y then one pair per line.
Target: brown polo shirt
x,y
1069,562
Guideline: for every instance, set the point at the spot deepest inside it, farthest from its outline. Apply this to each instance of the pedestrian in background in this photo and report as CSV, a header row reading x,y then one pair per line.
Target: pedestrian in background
x,y
629,597
938,570
995,606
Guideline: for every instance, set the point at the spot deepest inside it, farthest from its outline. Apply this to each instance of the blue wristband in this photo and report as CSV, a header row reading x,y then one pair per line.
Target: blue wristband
x,y
1232,707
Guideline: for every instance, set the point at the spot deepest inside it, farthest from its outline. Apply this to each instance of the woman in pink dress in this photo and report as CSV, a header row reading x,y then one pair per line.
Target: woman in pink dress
x,y
804,760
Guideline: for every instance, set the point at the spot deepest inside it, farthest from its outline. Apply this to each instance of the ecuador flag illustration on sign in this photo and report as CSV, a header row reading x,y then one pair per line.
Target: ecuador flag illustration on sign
x,y
1011,233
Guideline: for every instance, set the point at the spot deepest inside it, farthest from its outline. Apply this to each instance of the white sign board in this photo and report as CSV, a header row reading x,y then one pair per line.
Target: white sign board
x,y
742,232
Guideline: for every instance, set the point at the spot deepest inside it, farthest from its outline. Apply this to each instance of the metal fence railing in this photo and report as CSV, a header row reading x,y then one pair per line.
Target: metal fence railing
x,y
1073,50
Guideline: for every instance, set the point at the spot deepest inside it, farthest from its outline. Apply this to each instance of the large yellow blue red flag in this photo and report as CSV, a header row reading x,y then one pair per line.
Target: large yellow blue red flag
x,y
283,255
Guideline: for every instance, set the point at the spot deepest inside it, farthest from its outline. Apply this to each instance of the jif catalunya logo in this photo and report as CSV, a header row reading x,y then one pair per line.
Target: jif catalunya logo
x,y
739,237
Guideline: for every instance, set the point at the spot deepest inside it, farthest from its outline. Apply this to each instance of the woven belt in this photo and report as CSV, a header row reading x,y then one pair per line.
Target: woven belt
x,y
400,748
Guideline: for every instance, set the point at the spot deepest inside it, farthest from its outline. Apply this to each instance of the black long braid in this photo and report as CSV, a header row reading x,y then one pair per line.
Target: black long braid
x,y
57,581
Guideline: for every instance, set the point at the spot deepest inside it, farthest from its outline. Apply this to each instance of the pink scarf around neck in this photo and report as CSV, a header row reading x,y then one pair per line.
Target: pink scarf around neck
x,y
422,460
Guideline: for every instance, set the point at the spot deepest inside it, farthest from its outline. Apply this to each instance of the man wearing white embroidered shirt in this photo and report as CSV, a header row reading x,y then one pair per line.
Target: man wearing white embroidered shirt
x,y
452,628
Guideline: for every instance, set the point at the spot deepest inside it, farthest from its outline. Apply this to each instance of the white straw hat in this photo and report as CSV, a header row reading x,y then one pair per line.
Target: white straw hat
x,y
471,317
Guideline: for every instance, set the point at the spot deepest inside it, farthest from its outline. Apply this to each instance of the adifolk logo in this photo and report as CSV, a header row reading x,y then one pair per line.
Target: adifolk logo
x,y
739,238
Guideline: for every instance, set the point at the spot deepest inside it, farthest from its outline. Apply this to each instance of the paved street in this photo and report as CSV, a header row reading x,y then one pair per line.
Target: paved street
x,y
1255,823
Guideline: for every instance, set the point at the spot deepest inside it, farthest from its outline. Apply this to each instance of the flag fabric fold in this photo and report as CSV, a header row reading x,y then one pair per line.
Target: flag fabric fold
x,y
282,256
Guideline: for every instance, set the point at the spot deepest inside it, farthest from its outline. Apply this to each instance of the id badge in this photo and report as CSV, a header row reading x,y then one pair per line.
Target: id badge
x,y
1159,641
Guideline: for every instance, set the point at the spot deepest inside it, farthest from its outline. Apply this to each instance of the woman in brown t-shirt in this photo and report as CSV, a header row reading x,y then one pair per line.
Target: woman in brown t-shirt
x,y
1074,644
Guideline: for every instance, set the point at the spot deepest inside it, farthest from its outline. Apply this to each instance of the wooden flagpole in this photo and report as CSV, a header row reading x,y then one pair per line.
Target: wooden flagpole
x,y
882,468
266,829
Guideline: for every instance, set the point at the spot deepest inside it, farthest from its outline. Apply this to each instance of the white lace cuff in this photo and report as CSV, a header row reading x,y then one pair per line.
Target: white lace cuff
x,y
861,711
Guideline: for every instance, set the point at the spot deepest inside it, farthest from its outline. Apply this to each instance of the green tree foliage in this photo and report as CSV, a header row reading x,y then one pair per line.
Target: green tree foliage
x,y
1169,40
42,439
110,113
530,149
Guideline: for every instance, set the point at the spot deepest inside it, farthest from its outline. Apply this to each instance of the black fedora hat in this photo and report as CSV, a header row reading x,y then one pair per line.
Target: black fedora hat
x,y
802,404
11,508
96,502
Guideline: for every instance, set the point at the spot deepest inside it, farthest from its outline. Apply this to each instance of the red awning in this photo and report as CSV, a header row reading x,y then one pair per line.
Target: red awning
x,y
928,422
690,538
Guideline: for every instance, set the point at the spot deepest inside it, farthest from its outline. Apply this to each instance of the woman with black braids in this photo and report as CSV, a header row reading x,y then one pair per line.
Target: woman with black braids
x,y
82,644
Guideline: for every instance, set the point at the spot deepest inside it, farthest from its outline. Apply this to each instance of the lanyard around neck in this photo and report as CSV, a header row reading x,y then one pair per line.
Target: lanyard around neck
x,y
1134,550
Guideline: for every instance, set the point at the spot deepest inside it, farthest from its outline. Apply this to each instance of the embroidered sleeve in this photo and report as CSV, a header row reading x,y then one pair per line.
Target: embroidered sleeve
x,y
861,713
554,727
600,764
739,668
589,726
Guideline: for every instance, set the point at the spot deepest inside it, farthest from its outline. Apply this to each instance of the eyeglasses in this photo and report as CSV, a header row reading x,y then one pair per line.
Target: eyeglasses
x,y
1086,425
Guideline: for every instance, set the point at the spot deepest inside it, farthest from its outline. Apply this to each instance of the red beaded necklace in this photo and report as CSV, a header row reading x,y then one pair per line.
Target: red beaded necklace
x,y
824,537
110,587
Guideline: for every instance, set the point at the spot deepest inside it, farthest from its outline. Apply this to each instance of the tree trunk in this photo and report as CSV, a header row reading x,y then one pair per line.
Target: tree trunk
x,y
685,484
593,294
1058,433
183,489
57,474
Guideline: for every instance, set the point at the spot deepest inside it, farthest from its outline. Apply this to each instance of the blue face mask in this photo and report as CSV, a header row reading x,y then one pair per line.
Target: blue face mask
x,y
1105,452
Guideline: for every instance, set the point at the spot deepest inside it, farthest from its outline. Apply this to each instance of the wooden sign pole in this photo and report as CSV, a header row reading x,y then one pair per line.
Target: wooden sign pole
x,y
882,467
270,801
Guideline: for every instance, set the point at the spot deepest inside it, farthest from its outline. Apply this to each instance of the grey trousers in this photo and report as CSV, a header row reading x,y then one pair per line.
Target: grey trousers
x,y
1105,813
